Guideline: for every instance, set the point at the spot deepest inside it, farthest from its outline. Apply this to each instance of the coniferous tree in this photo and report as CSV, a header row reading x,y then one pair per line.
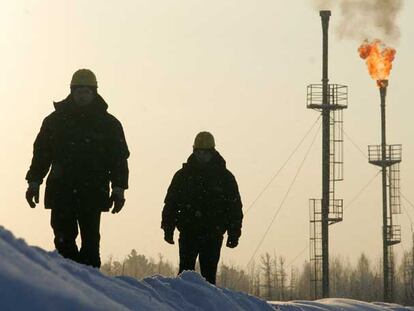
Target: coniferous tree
x,y
282,279
293,292
304,284
234,278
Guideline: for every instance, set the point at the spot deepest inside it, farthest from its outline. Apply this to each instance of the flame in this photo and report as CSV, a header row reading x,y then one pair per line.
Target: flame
x,y
379,59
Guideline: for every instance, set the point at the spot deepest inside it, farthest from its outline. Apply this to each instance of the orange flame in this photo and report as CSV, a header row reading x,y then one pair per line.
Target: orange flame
x,y
378,58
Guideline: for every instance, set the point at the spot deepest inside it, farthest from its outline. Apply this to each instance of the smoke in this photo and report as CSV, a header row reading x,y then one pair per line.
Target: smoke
x,y
365,19
324,4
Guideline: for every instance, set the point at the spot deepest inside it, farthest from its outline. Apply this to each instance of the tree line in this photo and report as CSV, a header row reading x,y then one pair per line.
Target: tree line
x,y
273,279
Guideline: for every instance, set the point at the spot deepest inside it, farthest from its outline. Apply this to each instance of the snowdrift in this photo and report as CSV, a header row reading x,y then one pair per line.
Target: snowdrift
x,y
337,304
33,279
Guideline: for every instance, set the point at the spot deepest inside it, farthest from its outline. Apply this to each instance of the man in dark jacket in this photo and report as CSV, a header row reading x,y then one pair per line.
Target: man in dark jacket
x,y
85,149
203,202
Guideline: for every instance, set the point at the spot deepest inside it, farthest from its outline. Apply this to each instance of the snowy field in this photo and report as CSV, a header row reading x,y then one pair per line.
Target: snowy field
x,y
336,304
33,279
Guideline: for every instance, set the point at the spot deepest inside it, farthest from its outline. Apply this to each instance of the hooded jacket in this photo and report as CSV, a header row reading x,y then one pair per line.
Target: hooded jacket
x,y
203,199
85,149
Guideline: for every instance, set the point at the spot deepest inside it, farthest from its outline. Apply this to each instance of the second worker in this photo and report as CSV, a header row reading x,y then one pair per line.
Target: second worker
x,y
203,203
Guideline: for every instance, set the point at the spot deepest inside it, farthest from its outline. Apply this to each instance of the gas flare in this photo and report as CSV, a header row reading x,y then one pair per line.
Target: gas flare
x,y
379,59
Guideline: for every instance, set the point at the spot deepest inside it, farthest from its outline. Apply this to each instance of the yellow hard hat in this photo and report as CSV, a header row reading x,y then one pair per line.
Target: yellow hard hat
x,y
204,140
84,77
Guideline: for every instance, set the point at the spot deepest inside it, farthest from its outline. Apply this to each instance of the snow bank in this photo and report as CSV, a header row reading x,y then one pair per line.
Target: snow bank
x,y
336,304
33,279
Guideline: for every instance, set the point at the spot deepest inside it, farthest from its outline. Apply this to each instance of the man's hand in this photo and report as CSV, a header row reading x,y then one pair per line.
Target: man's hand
x,y
232,241
32,194
169,237
117,199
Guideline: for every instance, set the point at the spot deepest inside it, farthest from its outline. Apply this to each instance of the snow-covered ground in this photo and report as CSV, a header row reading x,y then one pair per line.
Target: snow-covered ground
x,y
33,279
336,304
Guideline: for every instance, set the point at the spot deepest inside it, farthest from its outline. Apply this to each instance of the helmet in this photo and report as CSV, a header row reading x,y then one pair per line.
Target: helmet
x,y
84,77
204,140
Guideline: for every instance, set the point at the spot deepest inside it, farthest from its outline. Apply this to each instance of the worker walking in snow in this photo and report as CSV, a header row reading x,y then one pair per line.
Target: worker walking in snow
x,y
84,146
203,202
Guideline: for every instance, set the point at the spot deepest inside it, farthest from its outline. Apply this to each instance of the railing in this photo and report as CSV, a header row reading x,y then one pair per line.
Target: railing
x,y
393,234
336,209
393,153
337,96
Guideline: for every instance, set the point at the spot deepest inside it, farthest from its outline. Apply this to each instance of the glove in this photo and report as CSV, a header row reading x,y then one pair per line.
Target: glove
x,y
232,241
117,199
32,192
169,237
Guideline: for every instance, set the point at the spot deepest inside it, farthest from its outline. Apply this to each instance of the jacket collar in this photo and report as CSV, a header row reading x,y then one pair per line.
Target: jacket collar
x,y
216,162
68,105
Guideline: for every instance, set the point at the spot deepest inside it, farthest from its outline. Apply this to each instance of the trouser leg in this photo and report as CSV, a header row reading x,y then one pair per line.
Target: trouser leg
x,y
65,229
188,248
209,257
89,222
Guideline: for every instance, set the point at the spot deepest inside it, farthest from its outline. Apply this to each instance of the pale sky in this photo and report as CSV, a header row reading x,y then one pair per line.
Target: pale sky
x,y
171,68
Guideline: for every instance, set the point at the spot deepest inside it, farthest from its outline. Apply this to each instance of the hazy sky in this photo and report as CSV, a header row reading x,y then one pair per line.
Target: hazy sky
x,y
171,68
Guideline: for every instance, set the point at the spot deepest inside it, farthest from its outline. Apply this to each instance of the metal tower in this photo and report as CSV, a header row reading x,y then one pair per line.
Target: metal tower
x,y
388,157
330,99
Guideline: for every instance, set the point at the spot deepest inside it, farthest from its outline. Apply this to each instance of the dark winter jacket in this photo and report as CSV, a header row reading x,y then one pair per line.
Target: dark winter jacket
x,y
203,199
86,149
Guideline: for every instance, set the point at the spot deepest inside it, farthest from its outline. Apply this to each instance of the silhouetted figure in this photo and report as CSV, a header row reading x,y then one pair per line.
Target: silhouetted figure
x,y
86,149
203,202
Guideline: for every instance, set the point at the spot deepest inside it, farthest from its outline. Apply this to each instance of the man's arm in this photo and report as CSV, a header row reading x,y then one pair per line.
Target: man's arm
x,y
119,171
234,205
172,204
42,154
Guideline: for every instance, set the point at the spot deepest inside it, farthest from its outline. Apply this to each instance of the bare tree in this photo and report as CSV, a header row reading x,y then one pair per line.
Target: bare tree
x,y
254,279
293,285
266,266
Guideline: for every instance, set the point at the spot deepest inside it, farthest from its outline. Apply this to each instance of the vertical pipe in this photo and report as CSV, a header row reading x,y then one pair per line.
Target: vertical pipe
x,y
386,264
325,15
